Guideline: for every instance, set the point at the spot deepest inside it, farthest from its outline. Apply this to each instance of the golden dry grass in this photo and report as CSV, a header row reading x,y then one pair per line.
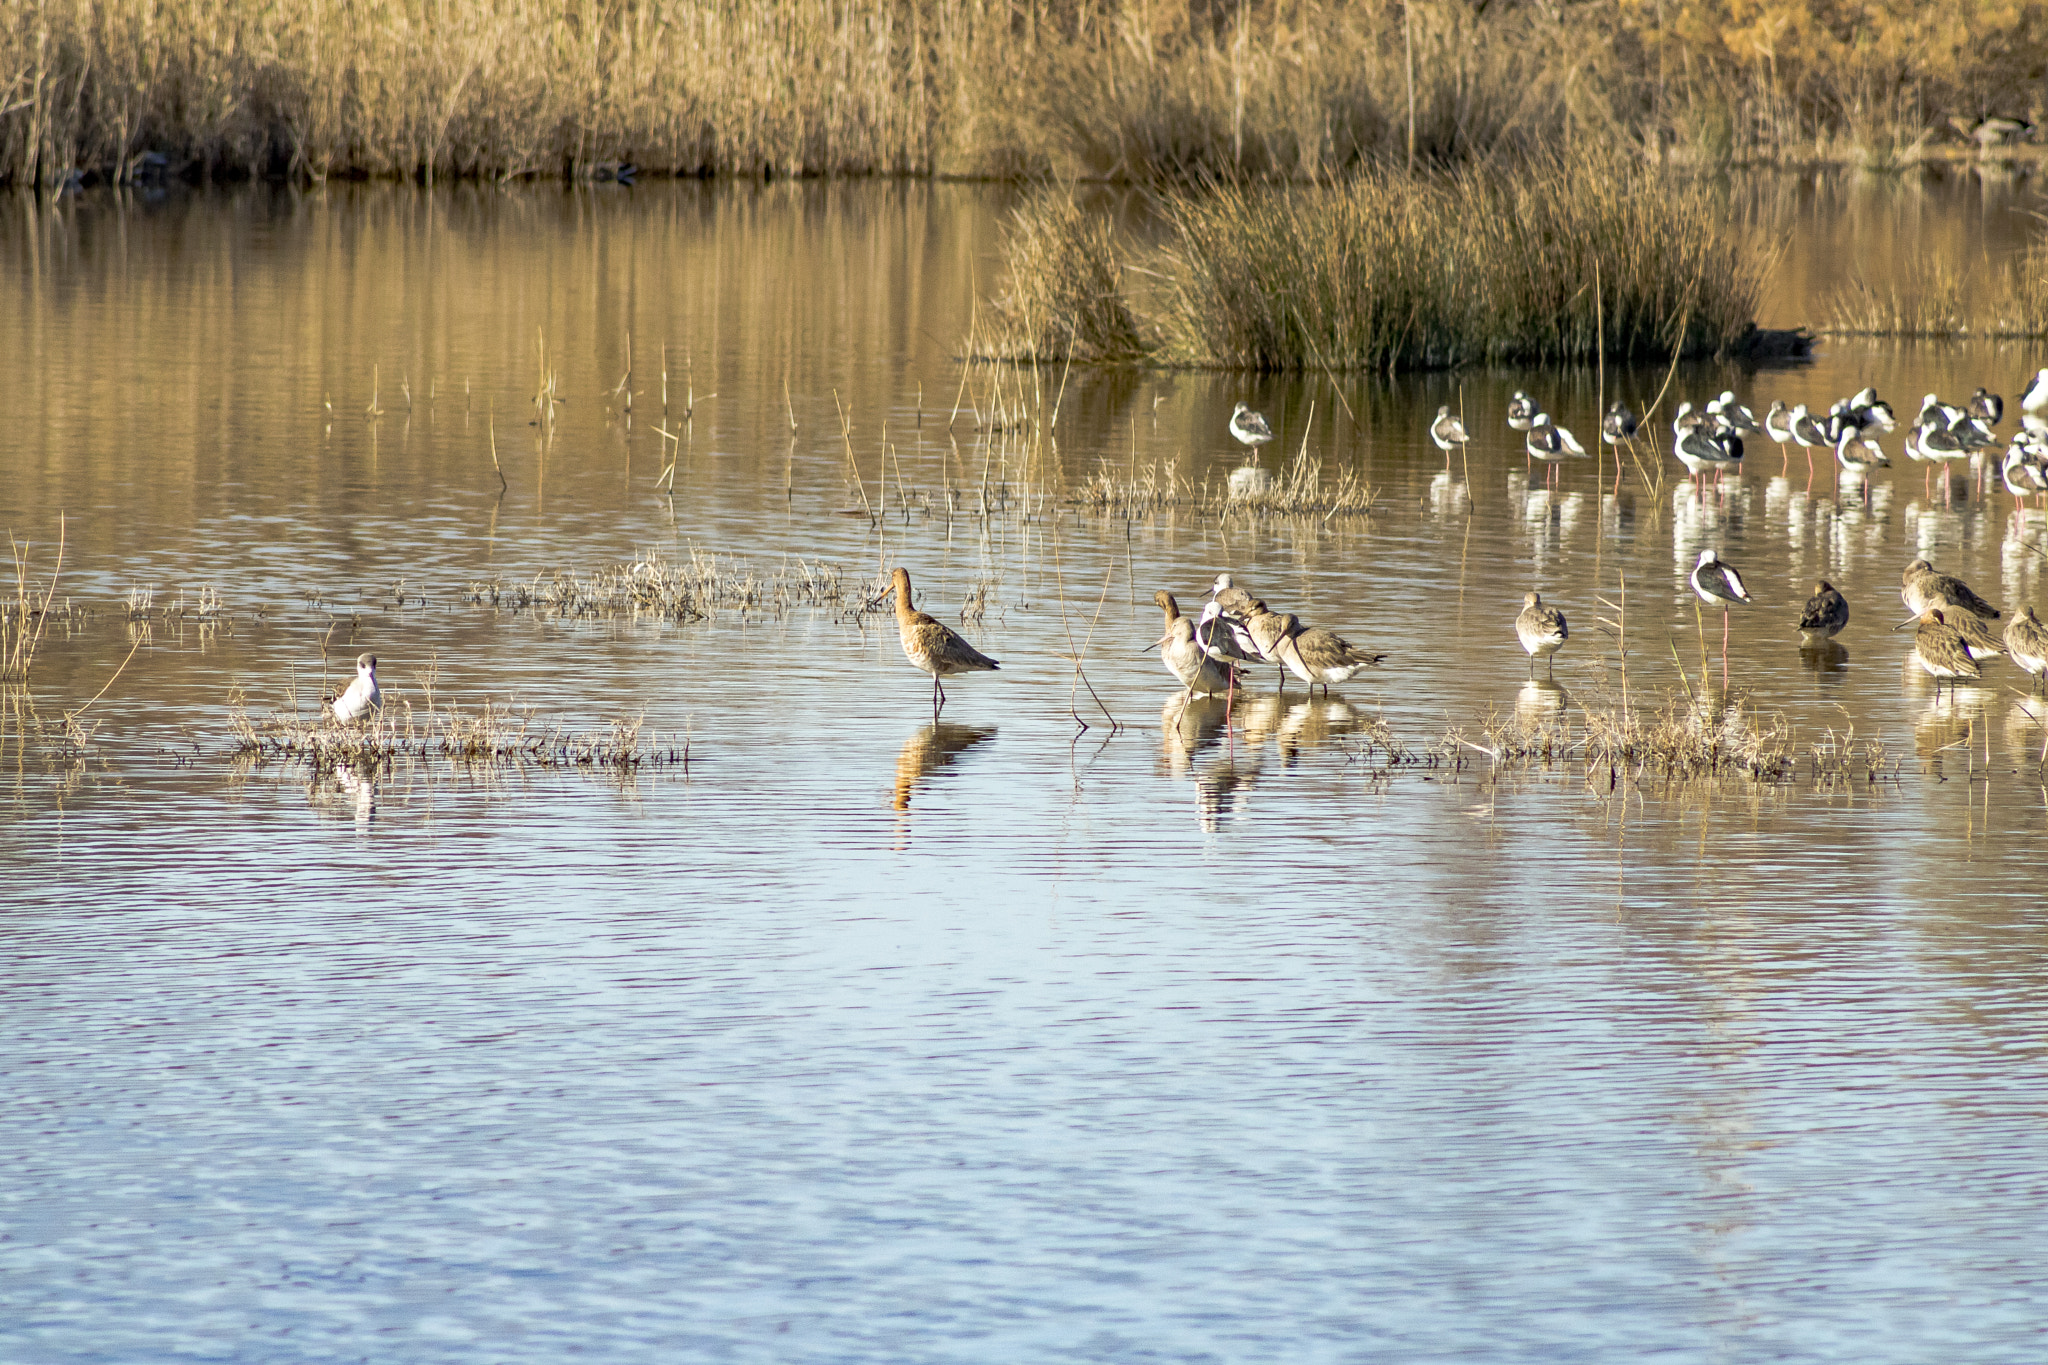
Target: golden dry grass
x,y
1139,89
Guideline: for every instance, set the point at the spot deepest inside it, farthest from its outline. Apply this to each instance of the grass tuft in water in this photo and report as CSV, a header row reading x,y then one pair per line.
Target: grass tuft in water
x,y
493,735
657,587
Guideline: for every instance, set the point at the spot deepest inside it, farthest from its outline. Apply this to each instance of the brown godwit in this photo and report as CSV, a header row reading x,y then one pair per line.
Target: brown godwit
x,y
1183,656
1941,652
363,694
1317,654
2026,643
1541,630
1266,631
935,648
1922,589
1827,611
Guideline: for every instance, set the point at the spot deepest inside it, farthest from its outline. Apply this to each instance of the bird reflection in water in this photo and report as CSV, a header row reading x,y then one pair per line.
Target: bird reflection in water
x,y
349,791
1828,662
1186,727
1952,729
1540,702
1313,725
934,747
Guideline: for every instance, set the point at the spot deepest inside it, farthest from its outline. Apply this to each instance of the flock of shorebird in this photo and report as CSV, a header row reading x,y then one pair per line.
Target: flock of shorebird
x,y
1236,631
1709,439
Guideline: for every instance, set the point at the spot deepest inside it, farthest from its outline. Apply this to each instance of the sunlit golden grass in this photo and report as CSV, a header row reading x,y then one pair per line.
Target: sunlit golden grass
x,y
1553,258
1133,89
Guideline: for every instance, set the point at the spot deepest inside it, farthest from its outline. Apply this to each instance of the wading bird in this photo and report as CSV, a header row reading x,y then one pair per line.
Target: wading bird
x,y
931,646
1922,590
1940,651
1541,630
2026,644
1447,431
362,694
1827,611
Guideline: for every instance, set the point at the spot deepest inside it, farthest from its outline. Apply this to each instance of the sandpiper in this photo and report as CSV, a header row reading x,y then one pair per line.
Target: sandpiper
x,y
1922,589
2026,644
931,646
1940,651
1447,431
1266,631
1183,657
362,695
1249,427
1542,631
1827,611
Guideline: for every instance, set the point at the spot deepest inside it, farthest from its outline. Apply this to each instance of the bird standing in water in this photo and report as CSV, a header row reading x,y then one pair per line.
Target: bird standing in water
x,y
1447,431
1827,611
363,694
933,647
1541,630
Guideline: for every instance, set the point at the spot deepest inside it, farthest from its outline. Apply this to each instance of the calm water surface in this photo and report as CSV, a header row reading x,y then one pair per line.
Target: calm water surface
x,y
869,1039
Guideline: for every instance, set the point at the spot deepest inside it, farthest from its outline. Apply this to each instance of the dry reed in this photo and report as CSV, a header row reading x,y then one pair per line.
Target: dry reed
x,y
1930,301
28,614
1124,88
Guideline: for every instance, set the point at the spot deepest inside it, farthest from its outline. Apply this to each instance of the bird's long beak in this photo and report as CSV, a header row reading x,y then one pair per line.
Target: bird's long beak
x,y
1156,643
1907,622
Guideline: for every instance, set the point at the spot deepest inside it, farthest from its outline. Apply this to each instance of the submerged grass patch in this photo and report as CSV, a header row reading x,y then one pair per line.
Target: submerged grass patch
x,y
1554,258
1299,490
491,735
657,587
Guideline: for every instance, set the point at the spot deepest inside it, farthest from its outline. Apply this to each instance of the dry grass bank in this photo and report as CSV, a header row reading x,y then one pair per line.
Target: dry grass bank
x,y
1931,301
1144,89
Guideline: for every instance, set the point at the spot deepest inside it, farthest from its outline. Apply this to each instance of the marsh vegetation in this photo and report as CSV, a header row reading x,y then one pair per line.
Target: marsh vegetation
x,y
1128,89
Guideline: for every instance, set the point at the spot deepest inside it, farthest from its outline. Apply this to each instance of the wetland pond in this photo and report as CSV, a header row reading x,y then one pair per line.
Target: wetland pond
x,y
1323,1036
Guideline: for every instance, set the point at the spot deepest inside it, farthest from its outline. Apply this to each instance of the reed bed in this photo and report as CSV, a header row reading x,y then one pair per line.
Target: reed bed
x,y
124,89
493,735
657,587
1554,258
1931,301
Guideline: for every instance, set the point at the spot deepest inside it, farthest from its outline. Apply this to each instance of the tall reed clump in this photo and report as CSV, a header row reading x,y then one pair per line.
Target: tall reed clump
x,y
1064,298
1552,259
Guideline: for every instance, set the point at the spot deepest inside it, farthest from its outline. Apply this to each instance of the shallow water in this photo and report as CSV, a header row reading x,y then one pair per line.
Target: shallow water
x,y
865,1038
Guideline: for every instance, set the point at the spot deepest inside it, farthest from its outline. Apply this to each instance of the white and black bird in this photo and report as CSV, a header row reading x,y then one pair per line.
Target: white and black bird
x,y
1733,413
2034,398
1718,585
1987,408
1551,443
1447,431
1778,426
1249,427
1808,432
1619,424
362,696
1522,410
